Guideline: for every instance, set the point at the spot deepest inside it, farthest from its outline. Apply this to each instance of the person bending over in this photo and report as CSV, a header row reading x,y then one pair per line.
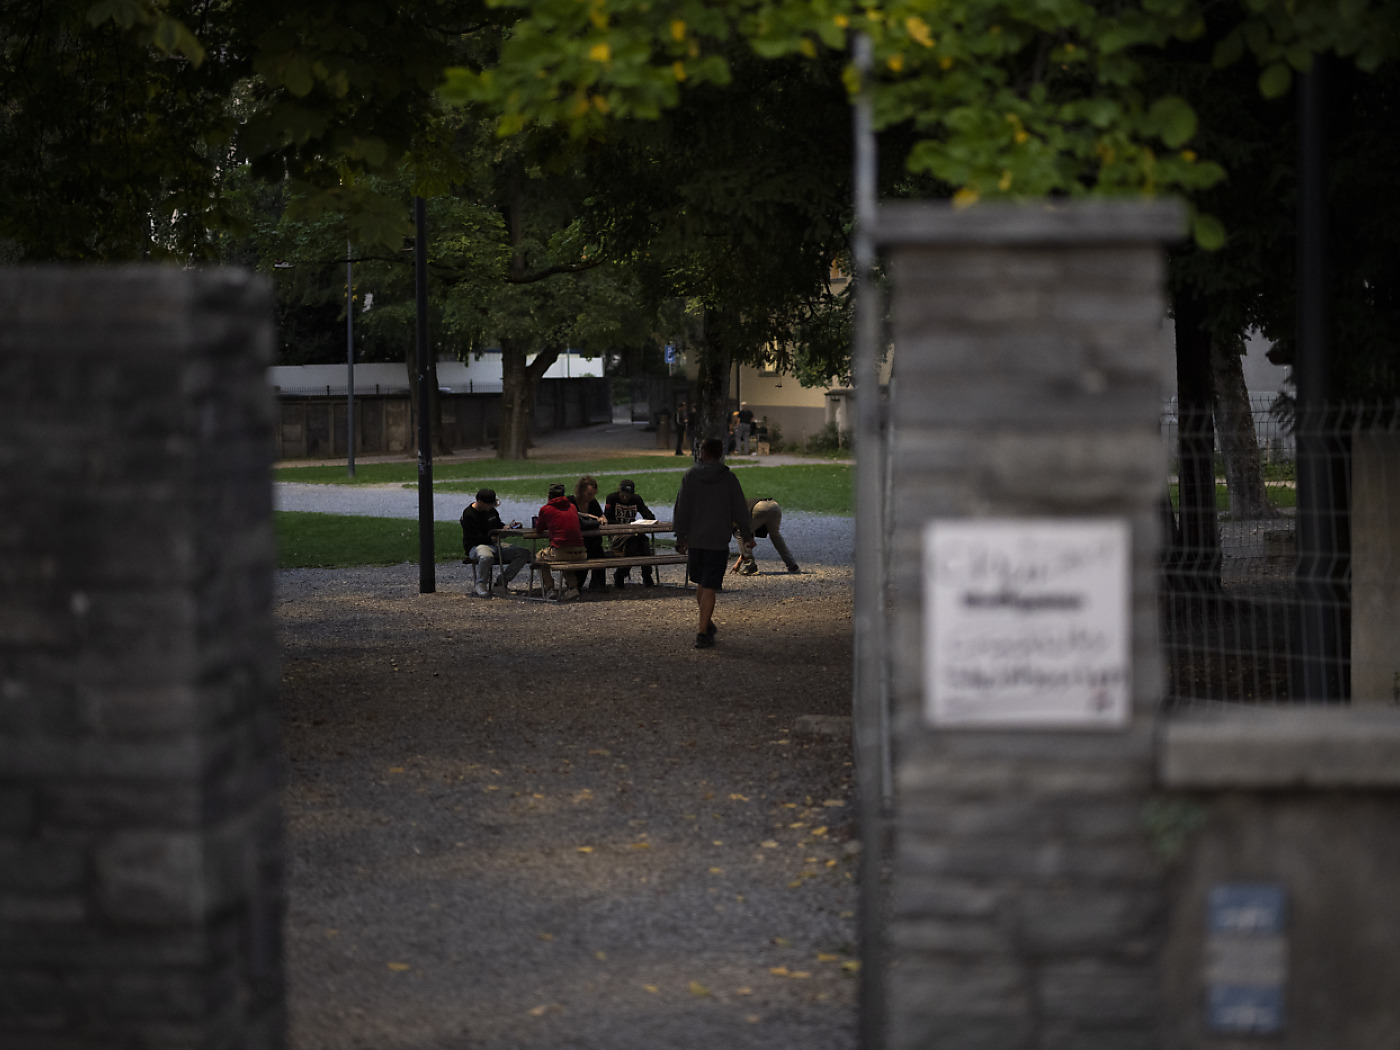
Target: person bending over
x,y
765,518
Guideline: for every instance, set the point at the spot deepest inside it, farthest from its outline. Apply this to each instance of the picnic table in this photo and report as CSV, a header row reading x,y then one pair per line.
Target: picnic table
x,y
608,561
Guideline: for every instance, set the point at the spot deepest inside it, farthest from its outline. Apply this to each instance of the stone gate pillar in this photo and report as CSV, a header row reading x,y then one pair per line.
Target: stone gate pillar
x,y
1027,909
140,852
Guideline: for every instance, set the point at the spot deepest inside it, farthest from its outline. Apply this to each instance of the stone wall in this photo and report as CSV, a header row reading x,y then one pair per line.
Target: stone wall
x,y
140,852
1027,906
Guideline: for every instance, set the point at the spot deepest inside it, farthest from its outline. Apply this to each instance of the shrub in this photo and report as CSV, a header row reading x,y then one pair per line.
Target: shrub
x,y
830,439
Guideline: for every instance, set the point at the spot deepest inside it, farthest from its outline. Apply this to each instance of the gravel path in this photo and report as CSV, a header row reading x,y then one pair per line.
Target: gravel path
x,y
514,825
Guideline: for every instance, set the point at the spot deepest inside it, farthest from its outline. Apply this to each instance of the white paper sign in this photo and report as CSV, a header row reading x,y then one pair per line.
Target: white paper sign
x,y
1027,623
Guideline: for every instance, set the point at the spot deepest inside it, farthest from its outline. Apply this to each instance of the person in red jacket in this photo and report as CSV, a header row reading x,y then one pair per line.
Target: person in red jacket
x,y
559,520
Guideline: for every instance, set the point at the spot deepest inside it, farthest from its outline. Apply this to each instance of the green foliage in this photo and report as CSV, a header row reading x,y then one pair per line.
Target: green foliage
x,y
831,439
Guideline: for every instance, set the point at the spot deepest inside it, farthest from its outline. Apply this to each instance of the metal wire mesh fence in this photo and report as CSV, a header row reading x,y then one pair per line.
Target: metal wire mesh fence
x,y
1281,572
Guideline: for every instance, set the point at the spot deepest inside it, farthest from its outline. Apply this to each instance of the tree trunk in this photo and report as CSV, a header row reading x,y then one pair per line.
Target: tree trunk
x,y
712,378
519,381
1194,565
1234,421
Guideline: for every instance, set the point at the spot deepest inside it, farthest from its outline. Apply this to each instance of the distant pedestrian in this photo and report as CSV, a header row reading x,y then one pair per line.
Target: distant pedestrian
x,y
744,427
709,507
559,520
682,427
479,520
765,519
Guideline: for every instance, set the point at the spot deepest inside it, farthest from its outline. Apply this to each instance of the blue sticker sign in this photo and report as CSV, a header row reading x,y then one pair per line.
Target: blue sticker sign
x,y
1246,958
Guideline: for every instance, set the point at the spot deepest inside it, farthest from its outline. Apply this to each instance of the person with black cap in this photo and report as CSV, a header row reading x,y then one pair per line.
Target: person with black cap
x,y
559,520
623,507
478,521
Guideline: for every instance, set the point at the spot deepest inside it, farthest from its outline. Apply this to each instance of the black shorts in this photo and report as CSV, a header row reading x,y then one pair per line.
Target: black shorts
x,y
706,567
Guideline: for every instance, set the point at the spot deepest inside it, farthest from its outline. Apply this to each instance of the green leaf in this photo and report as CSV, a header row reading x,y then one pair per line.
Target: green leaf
x,y
1275,81
1175,120
1208,231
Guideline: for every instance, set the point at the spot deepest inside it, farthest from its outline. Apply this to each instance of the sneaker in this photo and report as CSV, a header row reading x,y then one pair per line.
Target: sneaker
x,y
482,591
501,588
794,568
712,629
750,569
569,594
704,641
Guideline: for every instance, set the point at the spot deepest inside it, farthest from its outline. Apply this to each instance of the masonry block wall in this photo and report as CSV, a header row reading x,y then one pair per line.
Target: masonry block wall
x,y
1027,909
140,851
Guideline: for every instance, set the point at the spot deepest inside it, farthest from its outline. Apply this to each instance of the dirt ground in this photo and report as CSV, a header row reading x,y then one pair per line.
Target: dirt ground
x,y
520,825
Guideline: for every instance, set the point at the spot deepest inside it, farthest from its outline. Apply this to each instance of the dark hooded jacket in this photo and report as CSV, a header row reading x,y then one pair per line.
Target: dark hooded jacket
x,y
710,506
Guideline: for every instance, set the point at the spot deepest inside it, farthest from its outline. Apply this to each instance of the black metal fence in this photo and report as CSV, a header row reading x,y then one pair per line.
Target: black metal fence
x,y
1281,571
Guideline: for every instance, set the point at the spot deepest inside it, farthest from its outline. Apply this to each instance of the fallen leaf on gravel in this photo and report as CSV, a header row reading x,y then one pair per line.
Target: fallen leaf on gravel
x,y
851,967
539,1011
601,956
743,991
782,942
398,967
600,751
716,871
800,974
834,803
641,845
738,798
799,824
752,1019
651,988
719,842
332,933
585,849
770,844
827,957
696,988
795,884
819,831
545,936
778,971
396,769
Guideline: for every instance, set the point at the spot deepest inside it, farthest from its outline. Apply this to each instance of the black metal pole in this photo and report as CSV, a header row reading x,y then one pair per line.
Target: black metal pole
x,y
1320,643
427,583
349,362
870,713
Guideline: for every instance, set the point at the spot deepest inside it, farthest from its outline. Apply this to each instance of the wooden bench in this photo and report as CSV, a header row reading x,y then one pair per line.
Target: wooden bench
x,y
606,562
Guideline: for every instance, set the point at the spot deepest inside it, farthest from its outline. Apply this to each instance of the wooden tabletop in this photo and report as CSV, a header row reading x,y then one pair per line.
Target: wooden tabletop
x,y
636,528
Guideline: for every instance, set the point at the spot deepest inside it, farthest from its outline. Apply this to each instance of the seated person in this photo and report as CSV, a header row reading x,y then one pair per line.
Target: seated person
x,y
559,521
590,516
623,508
478,521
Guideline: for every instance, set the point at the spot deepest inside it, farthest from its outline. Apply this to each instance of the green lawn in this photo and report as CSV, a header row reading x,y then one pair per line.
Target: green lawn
x,y
306,540
332,541
1279,496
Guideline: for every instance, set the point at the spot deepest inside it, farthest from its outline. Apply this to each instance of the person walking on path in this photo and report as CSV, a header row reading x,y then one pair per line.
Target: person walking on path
x,y
765,519
709,507
479,520
559,519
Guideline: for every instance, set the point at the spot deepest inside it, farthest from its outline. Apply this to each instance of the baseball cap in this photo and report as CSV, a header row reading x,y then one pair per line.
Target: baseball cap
x,y
486,496
555,491
627,486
